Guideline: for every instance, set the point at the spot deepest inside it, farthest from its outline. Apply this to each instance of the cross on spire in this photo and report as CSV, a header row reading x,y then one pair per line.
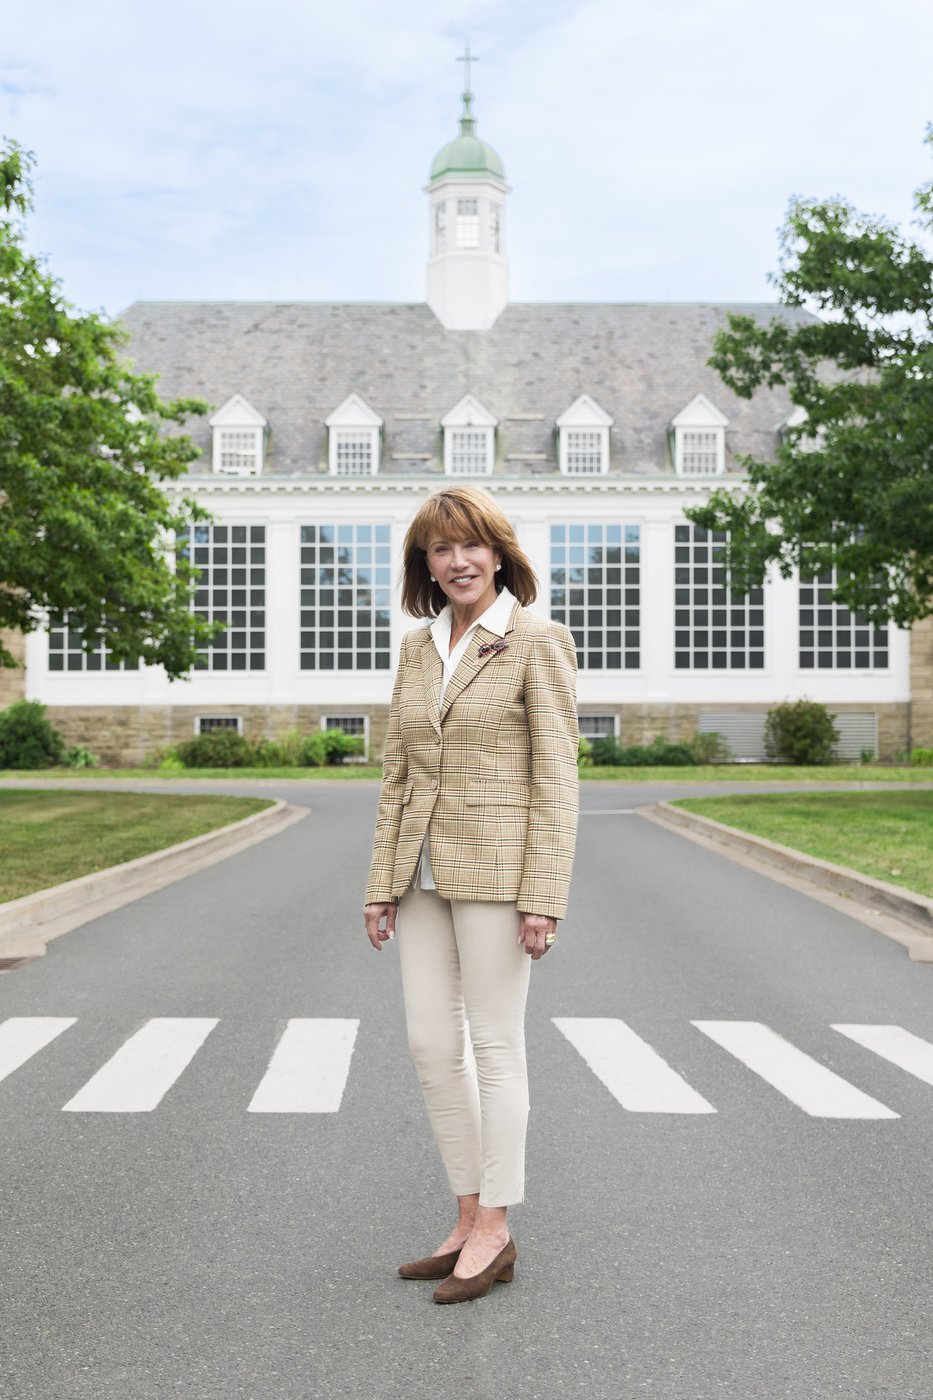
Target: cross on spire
x,y
466,59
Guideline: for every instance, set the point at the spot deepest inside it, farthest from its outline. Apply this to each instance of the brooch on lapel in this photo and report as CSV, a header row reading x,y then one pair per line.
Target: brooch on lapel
x,y
498,645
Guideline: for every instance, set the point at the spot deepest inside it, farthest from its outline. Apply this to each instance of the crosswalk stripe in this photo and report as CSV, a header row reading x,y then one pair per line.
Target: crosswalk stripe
x,y
800,1078
145,1067
308,1069
21,1037
634,1073
904,1049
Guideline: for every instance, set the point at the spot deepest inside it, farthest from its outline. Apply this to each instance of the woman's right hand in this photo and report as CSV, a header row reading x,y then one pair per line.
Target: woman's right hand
x,y
380,923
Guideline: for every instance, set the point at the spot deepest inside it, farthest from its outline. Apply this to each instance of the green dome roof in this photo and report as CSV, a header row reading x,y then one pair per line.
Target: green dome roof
x,y
467,155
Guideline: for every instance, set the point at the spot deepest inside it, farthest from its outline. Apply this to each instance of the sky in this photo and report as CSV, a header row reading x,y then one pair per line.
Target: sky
x,y
203,151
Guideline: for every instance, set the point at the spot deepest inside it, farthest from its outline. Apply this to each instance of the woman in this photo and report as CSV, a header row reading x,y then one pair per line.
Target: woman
x,y
474,845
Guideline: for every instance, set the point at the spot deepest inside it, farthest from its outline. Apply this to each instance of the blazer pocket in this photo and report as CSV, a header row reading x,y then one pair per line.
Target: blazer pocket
x,y
498,793
406,795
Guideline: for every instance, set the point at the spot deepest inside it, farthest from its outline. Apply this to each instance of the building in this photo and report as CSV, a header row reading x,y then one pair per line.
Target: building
x,y
594,425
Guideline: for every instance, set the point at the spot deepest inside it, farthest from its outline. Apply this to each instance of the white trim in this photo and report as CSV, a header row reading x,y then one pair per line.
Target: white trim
x,y
584,417
613,718
699,419
199,720
238,430
336,724
469,416
354,420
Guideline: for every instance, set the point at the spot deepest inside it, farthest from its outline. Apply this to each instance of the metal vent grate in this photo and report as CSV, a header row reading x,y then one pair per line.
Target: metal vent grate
x,y
745,733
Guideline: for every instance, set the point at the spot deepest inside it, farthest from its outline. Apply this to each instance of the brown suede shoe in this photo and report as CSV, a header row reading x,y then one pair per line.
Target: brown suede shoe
x,y
463,1290
437,1266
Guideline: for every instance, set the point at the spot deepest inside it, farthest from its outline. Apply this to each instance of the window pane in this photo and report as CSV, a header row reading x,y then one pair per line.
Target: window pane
x,y
354,644
591,600
696,647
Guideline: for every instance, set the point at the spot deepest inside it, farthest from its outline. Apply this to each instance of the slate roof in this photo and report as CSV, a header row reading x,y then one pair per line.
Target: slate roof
x,y
297,361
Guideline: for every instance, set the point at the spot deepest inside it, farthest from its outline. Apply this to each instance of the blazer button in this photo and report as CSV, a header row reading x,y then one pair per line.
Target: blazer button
x,y
434,786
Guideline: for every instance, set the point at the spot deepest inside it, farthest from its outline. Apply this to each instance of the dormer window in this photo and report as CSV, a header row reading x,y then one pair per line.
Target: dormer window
x,y
239,436
469,439
584,438
467,223
699,439
353,433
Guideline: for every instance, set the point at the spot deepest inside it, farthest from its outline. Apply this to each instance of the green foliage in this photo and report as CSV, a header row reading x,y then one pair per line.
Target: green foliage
x,y
922,758
339,746
584,752
80,757
801,731
27,739
852,486
710,748
659,753
82,456
866,755
225,748
222,748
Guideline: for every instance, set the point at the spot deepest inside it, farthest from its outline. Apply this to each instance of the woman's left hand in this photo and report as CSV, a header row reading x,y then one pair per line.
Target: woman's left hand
x,y
532,932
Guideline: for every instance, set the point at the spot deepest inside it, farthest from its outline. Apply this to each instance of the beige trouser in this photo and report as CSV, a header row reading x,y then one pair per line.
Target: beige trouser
x,y
465,973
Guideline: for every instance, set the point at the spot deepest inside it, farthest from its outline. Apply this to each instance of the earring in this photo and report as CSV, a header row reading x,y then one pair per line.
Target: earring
x,y
498,567
433,579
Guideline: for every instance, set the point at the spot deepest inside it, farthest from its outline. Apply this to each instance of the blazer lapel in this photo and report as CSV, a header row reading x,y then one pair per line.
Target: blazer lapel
x,y
471,663
432,670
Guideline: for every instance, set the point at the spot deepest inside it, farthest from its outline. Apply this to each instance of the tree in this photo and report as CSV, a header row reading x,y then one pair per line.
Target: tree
x,y
852,484
84,528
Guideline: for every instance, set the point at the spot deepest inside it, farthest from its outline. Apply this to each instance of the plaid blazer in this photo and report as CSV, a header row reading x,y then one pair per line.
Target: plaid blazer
x,y
493,769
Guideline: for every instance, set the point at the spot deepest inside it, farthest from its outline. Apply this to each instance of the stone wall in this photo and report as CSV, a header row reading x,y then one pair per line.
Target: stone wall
x,y
921,684
128,735
13,679
639,724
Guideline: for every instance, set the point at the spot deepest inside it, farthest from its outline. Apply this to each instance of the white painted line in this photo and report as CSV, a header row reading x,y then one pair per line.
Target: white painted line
x,y
22,1036
607,811
803,1080
145,1067
902,1048
631,1070
308,1069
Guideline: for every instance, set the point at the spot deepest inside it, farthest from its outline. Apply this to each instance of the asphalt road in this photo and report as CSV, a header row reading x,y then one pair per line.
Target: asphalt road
x,y
755,1249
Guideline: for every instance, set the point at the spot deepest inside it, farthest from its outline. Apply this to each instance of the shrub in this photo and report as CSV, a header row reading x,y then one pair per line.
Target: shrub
x,y
224,748
80,757
27,739
923,758
710,748
340,746
314,750
608,753
801,731
584,752
866,755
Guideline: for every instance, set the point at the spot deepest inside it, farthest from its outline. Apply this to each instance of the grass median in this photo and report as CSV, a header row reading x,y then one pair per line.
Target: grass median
x,y
888,835
350,772
48,837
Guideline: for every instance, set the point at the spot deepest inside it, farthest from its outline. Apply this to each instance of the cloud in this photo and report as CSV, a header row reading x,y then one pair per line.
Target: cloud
x,y
203,150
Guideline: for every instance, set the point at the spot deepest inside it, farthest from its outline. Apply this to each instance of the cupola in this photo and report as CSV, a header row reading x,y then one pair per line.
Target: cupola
x,y
467,281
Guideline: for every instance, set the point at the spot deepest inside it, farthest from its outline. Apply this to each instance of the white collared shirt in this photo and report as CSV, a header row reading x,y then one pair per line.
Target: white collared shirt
x,y
494,619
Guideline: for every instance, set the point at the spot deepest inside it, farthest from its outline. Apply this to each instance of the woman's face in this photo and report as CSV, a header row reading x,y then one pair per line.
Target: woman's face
x,y
465,570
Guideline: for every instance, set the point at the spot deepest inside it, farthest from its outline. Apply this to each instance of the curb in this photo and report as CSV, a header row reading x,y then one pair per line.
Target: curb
x,y
29,923
914,910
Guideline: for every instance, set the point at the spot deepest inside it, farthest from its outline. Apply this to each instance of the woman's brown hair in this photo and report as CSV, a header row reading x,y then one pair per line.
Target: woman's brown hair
x,y
461,513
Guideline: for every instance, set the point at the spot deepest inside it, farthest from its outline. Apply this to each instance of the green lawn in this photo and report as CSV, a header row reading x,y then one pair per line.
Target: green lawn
x,y
349,772
47,837
762,773
888,835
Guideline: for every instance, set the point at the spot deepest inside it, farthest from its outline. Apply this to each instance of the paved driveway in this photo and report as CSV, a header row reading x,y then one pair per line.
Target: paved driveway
x,y
729,1160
